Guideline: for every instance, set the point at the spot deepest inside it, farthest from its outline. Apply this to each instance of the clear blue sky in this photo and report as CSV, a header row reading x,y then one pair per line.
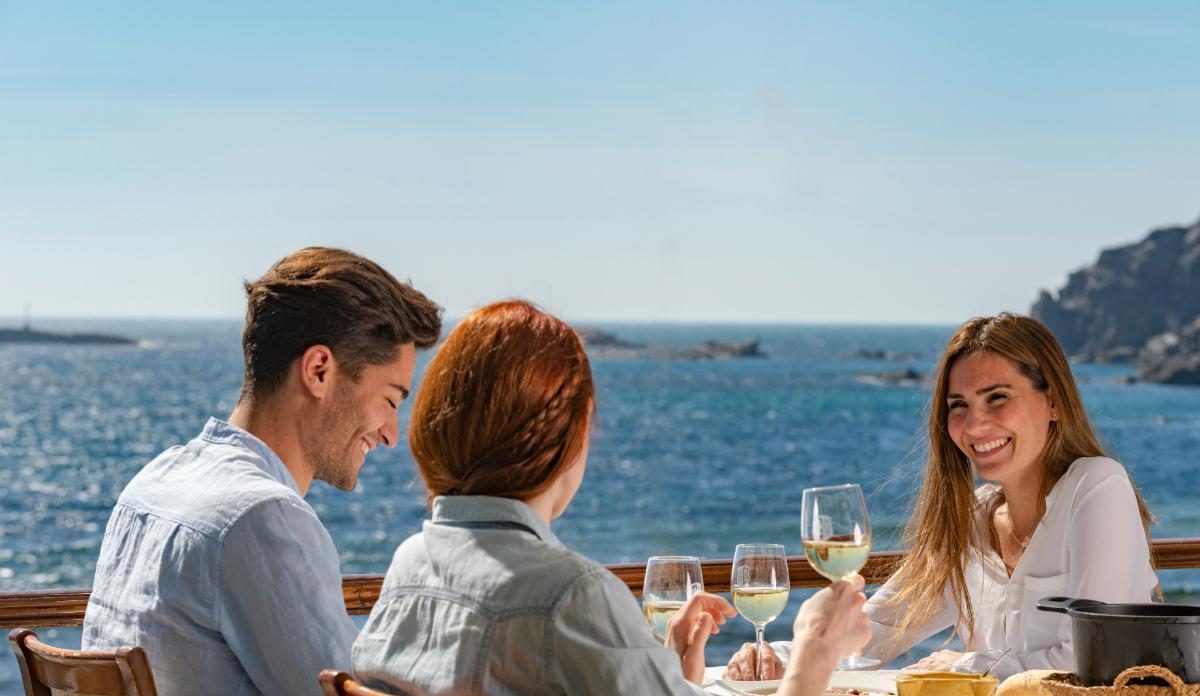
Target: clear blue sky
x,y
805,162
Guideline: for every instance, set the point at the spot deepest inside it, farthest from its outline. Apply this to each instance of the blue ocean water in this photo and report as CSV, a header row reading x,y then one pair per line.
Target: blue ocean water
x,y
686,457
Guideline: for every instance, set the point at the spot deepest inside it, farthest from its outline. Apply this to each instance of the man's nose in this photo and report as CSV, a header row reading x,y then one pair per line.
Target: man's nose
x,y
390,432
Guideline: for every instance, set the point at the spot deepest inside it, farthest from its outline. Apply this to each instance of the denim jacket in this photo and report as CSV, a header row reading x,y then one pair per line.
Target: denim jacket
x,y
486,600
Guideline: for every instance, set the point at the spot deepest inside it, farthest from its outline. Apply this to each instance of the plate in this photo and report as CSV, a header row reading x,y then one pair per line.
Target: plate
x,y
751,688
879,682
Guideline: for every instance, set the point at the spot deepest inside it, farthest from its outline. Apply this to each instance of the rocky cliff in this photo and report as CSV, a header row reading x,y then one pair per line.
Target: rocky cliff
x,y
1109,311
1173,357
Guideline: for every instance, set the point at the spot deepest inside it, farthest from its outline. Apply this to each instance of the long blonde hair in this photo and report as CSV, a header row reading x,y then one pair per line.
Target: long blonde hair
x,y
943,529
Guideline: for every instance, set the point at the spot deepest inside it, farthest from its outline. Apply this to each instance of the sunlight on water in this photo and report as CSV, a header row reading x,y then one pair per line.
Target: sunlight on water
x,y
686,457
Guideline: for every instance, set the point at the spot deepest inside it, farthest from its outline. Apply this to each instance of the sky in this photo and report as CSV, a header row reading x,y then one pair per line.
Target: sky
x,y
850,162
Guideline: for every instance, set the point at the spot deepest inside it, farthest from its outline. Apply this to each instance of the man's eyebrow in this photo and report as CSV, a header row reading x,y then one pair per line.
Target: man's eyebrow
x,y
402,389
985,390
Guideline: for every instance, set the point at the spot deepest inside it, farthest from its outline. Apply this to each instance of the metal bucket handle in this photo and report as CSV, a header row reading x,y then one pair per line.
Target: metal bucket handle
x,y
1061,604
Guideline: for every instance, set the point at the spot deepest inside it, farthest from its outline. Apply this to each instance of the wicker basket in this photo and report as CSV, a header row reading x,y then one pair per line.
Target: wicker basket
x,y
1065,684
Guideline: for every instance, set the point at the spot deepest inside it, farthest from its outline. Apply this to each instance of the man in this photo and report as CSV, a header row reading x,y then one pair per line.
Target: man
x,y
212,560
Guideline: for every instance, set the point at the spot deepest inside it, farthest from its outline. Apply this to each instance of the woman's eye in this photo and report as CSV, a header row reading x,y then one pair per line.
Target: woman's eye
x,y
955,405
997,398
391,403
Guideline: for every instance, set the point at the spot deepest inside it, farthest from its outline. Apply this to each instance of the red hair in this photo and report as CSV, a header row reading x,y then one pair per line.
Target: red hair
x,y
504,405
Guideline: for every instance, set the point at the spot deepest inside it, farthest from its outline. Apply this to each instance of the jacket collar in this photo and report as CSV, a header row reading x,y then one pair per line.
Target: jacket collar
x,y
449,509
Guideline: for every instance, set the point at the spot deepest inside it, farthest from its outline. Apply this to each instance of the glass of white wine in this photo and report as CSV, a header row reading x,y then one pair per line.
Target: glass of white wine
x,y
836,532
670,581
760,587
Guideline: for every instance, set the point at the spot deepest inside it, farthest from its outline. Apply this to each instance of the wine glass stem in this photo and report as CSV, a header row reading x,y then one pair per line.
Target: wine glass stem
x,y
759,631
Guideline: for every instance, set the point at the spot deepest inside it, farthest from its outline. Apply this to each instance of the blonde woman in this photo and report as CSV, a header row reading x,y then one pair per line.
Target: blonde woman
x,y
1056,516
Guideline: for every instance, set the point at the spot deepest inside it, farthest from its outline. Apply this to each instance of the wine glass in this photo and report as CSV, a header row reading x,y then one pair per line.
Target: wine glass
x,y
760,587
670,581
836,532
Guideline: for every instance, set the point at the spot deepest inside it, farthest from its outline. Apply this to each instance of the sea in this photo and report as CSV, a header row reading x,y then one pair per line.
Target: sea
x,y
687,457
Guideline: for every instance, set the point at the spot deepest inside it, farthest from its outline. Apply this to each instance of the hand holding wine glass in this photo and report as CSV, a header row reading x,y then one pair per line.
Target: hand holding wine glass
x,y
836,532
760,587
689,629
670,581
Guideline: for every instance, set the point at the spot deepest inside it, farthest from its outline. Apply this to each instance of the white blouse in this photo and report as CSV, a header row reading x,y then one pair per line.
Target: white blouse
x,y
1090,544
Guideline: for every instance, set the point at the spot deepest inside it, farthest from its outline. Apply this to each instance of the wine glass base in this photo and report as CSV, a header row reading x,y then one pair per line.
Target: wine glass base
x,y
856,663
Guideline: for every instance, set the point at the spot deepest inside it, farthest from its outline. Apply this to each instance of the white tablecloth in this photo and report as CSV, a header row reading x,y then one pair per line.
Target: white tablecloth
x,y
878,680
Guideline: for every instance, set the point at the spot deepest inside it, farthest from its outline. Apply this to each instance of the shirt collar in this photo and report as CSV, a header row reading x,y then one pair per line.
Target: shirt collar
x,y
486,508
219,432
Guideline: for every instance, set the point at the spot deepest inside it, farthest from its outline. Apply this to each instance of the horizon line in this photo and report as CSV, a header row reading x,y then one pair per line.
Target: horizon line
x,y
19,321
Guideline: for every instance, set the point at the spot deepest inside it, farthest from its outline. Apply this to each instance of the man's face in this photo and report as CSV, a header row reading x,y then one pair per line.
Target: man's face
x,y
361,416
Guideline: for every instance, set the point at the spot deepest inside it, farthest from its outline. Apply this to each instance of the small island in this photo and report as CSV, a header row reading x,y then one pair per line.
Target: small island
x,y
608,345
880,354
27,335
710,350
904,377
598,338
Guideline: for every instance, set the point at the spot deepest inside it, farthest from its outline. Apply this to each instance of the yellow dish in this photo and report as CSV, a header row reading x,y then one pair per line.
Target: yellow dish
x,y
944,684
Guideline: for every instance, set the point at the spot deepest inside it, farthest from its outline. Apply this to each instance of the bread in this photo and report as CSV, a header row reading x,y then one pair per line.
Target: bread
x,y
1026,683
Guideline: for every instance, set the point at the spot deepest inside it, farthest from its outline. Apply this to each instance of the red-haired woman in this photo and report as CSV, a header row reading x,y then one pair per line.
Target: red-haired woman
x,y
486,599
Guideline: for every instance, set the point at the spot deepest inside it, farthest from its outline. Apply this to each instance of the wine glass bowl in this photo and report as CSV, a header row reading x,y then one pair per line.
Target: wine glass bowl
x,y
760,587
670,581
835,530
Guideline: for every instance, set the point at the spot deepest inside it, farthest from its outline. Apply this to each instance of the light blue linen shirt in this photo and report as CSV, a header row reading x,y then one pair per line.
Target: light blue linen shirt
x,y
486,600
216,566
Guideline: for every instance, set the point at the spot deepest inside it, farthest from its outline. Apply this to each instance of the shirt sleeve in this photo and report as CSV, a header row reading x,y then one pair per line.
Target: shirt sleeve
x,y
1107,544
280,601
601,645
885,626
885,621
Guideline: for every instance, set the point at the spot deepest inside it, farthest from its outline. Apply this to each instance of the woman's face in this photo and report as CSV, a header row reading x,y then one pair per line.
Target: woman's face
x,y
997,418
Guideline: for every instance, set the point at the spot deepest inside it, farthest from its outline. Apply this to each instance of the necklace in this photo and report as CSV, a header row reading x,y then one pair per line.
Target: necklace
x,y
1013,533
1022,544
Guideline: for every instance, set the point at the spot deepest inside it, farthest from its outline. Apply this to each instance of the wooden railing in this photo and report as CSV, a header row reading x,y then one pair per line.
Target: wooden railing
x,y
42,608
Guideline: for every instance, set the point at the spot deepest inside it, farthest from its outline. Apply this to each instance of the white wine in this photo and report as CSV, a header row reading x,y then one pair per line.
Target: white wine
x,y
836,559
760,605
658,613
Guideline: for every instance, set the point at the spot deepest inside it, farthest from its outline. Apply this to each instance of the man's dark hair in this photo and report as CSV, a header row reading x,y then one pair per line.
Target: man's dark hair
x,y
334,298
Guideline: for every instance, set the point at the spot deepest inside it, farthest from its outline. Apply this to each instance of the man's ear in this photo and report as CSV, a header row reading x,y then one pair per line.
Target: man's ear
x,y
317,367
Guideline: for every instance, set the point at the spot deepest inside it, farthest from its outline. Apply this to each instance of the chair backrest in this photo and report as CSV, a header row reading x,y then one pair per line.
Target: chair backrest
x,y
335,683
50,671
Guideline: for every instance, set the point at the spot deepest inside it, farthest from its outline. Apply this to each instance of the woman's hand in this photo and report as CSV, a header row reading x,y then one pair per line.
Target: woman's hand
x,y
689,629
940,661
743,666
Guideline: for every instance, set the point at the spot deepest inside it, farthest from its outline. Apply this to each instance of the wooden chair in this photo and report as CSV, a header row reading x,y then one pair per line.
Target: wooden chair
x,y
50,671
335,683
